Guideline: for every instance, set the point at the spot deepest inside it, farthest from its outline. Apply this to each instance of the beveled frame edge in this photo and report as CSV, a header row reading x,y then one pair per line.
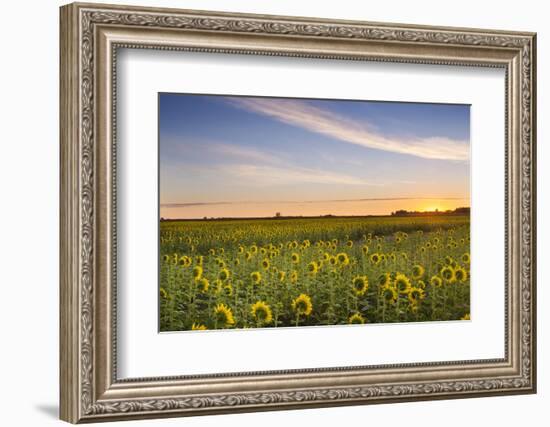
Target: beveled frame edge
x,y
88,391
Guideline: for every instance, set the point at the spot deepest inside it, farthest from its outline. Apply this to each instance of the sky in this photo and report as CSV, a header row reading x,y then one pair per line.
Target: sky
x,y
231,156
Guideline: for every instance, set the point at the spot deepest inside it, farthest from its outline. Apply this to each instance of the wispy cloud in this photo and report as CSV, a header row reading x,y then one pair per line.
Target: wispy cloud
x,y
325,122
243,153
256,167
277,175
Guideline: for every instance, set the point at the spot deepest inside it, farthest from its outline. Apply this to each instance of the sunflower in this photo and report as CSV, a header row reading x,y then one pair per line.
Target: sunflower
x,y
198,327
253,249
163,293
313,268
384,279
302,305
356,319
294,276
185,261
197,272
237,262
375,258
203,285
199,259
448,274
265,264
166,258
343,258
418,271
460,274
416,295
360,285
281,276
248,256
448,260
466,258
224,315
224,274
333,260
262,313
256,277
212,251
465,317
240,250
228,290
389,294
436,281
402,283
349,244
295,258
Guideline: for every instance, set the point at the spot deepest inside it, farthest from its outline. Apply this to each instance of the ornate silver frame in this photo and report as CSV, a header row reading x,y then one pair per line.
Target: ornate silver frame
x,y
90,36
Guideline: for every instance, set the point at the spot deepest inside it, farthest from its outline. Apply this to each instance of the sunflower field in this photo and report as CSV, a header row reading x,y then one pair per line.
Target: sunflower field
x,y
252,273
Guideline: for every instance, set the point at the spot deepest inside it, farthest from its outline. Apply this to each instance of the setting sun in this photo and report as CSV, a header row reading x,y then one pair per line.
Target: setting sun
x,y
442,205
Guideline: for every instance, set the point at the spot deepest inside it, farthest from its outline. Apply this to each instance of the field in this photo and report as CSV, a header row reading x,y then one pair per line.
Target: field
x,y
313,271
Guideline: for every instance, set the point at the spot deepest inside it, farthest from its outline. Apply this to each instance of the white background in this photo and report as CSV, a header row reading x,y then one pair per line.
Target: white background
x,y
29,172
141,347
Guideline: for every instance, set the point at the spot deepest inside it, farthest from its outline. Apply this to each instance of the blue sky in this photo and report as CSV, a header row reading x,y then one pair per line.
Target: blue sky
x,y
217,152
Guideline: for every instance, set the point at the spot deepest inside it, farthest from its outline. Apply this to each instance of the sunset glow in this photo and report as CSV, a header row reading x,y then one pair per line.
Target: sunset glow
x,y
227,156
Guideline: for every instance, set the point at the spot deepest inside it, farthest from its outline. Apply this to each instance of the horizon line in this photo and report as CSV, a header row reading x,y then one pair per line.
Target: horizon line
x,y
374,199
413,213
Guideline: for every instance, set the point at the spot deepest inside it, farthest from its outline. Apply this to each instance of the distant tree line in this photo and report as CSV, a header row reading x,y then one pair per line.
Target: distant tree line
x,y
457,211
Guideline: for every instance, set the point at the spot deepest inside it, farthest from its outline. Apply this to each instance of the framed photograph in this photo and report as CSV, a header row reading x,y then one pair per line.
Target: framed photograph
x,y
265,212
